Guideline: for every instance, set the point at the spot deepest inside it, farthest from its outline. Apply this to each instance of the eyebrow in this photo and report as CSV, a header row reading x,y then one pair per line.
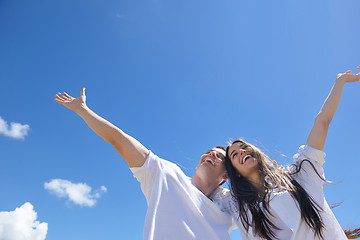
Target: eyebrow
x,y
218,153
213,149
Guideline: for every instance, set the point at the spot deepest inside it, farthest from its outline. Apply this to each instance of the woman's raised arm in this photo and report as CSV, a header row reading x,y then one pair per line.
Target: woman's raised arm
x,y
133,152
318,133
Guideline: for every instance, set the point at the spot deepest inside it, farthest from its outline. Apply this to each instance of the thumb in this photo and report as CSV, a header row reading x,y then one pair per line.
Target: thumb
x,y
83,92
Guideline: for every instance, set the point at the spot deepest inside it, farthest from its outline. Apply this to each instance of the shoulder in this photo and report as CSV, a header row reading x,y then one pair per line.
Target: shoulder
x,y
224,200
309,153
220,193
154,163
278,194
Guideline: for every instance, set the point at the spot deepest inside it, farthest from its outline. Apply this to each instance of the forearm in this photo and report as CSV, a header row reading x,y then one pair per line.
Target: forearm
x,y
331,103
99,125
318,133
133,152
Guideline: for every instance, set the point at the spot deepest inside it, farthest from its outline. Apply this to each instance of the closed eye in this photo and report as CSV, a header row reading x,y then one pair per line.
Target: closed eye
x,y
248,148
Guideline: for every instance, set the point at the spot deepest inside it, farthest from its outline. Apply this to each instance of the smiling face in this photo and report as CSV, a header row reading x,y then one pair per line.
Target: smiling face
x,y
212,165
213,157
244,159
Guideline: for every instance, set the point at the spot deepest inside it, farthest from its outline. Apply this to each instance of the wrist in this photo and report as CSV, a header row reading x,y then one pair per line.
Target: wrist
x,y
340,80
81,109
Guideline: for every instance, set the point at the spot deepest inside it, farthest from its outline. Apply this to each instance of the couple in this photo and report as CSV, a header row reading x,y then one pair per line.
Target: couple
x,y
265,201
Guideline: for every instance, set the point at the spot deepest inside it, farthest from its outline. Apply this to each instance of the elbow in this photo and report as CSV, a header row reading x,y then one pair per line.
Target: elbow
x,y
114,136
322,119
110,141
117,139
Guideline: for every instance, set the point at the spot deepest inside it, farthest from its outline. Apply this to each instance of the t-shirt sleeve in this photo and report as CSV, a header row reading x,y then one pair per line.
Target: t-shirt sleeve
x,y
314,155
146,174
308,175
225,203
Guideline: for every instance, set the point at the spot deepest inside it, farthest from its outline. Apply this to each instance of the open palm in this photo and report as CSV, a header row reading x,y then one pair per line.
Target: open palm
x,y
70,102
349,77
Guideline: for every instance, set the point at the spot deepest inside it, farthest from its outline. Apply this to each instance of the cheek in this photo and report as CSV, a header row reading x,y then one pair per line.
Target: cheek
x,y
223,168
201,158
236,165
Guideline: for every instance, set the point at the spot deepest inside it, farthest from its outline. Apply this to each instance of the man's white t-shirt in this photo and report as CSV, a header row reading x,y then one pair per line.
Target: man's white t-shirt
x,y
176,208
285,211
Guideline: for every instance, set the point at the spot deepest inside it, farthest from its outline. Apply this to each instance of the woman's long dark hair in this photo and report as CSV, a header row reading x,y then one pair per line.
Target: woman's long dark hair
x,y
249,199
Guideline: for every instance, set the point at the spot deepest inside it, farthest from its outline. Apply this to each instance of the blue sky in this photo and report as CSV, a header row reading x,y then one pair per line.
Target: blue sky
x,y
181,77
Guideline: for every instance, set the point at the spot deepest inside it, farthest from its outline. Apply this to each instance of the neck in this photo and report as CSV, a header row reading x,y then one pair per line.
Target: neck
x,y
255,180
206,186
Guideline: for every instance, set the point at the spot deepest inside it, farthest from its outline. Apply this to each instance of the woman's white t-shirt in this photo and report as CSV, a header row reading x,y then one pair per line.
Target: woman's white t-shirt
x,y
285,211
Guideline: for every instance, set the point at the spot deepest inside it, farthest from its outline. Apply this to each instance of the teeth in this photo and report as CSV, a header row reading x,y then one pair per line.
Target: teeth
x,y
246,157
208,160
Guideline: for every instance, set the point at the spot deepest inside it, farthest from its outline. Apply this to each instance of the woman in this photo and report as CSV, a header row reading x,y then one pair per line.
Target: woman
x,y
273,202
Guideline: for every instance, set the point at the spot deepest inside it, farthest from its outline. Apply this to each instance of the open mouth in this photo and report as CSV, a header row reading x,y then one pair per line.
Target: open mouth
x,y
209,160
246,158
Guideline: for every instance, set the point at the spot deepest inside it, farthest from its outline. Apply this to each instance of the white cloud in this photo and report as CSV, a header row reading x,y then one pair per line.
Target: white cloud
x,y
78,193
16,130
21,224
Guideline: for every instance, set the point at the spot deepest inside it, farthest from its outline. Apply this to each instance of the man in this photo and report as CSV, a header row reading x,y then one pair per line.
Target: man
x,y
178,207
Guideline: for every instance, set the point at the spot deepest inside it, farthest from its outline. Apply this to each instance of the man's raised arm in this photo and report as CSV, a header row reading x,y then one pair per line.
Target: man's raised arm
x,y
133,152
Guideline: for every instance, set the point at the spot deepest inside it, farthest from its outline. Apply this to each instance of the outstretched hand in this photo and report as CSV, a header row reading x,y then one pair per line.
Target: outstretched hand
x,y
348,76
70,102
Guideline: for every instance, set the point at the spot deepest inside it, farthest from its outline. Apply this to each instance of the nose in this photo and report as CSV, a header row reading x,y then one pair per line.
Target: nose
x,y
243,151
213,153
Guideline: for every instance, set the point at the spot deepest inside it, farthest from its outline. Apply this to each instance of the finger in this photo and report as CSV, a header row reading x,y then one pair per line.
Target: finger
x,y
348,71
67,96
358,67
59,101
60,96
57,96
